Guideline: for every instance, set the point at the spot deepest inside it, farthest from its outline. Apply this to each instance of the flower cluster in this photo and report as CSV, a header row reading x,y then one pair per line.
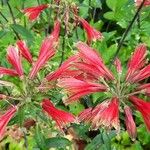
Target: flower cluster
x,y
32,86
92,34
82,74
14,57
121,91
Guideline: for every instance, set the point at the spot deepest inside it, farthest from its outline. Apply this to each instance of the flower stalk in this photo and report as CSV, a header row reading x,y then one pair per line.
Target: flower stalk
x,y
127,30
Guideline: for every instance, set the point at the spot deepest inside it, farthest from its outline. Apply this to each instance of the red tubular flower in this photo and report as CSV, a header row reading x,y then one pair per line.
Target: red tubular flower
x,y
41,62
90,56
141,75
105,114
51,41
34,12
47,50
61,117
145,88
146,3
4,119
14,59
6,71
136,62
86,115
130,124
64,67
143,107
117,63
92,34
77,74
78,88
88,69
24,50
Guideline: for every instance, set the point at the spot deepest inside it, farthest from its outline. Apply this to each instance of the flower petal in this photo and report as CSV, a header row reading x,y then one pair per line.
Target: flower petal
x,y
130,124
90,56
92,34
6,71
4,119
143,107
136,62
47,50
14,59
24,50
34,12
61,117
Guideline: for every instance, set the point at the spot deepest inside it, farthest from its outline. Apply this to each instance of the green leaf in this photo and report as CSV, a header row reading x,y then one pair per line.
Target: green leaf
x,y
21,115
143,137
95,143
84,8
109,15
57,142
23,32
81,131
107,55
137,146
76,108
101,141
125,138
112,4
96,3
116,4
2,33
40,139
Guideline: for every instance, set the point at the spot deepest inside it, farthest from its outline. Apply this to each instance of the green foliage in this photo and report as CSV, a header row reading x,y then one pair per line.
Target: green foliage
x,y
39,138
57,142
101,141
25,34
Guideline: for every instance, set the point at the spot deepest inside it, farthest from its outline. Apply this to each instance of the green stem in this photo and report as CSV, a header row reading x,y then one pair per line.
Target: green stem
x,y
127,30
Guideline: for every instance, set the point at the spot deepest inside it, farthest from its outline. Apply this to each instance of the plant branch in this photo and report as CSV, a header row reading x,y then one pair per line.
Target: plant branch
x,y
138,21
63,46
17,35
11,12
127,30
48,17
3,17
25,139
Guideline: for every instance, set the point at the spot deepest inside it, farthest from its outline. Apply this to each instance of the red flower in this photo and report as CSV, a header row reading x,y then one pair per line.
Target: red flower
x,y
78,88
141,75
92,34
117,63
90,56
5,71
105,114
24,50
145,88
61,117
143,107
86,114
14,59
4,119
146,3
34,12
130,124
88,69
63,68
136,62
47,50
